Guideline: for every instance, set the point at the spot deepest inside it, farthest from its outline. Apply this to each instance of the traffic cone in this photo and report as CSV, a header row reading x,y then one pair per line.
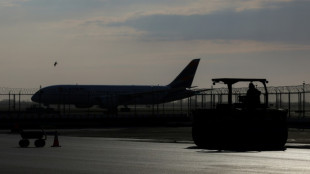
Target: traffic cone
x,y
56,142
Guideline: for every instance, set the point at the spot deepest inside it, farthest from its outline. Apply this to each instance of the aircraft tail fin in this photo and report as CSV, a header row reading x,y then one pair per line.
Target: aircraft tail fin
x,y
186,77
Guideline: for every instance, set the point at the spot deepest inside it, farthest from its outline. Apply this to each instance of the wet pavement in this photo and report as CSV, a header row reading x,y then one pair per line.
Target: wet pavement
x,y
123,155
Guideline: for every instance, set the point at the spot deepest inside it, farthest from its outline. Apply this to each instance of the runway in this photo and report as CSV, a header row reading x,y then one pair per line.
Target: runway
x,y
115,155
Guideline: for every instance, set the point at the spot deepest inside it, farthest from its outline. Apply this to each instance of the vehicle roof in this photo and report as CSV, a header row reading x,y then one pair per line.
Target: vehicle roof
x,y
235,80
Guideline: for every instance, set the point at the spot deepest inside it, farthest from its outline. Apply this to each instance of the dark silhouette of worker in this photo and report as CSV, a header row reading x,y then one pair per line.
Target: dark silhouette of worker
x,y
253,96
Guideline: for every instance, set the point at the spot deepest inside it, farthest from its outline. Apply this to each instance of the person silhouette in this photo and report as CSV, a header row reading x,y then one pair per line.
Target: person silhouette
x,y
253,96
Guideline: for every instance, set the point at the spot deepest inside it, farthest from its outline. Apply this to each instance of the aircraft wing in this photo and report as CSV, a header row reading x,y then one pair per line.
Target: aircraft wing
x,y
112,100
157,95
201,90
171,90
142,94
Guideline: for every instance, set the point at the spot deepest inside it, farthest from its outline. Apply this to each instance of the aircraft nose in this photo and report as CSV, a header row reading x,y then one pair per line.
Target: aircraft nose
x,y
35,97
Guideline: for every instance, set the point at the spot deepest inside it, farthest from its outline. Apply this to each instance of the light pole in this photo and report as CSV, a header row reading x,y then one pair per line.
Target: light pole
x,y
304,99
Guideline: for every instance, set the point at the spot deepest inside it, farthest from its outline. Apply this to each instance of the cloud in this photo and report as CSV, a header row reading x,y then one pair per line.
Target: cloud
x,y
284,22
11,3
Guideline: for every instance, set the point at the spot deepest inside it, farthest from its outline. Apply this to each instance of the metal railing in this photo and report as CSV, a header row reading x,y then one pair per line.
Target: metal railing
x,y
293,98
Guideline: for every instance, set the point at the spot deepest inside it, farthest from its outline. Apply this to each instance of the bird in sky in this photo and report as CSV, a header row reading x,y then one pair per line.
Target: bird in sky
x,y
55,63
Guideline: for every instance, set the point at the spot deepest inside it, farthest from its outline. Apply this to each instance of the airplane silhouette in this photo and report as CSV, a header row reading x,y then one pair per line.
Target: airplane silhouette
x,y
111,96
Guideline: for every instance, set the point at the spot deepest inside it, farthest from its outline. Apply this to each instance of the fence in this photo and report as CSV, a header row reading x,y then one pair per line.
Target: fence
x,y
292,98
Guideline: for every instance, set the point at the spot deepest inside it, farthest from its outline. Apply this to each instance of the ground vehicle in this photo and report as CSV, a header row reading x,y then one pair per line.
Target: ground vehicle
x,y
26,135
238,126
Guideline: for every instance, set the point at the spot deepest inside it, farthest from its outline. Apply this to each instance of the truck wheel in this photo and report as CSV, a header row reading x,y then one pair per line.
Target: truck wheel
x,y
39,143
24,143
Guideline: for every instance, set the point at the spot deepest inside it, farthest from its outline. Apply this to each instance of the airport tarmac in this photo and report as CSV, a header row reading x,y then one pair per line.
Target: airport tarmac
x,y
121,155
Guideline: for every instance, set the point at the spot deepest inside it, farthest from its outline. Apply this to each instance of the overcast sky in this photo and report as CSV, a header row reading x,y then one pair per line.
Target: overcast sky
x,y
148,42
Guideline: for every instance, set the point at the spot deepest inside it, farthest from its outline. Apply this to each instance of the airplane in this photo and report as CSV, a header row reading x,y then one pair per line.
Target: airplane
x,y
111,96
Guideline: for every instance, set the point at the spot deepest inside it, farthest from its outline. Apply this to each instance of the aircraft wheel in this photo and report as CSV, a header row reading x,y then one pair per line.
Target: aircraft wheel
x,y
39,143
24,143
